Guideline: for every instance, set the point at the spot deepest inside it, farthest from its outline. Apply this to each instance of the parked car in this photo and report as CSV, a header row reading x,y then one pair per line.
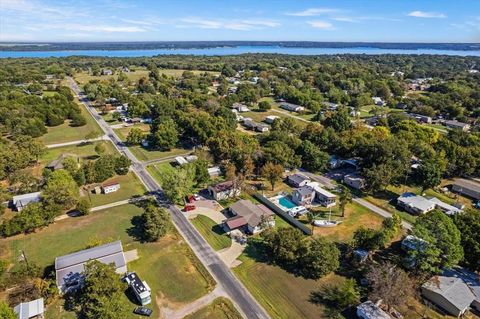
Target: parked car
x,y
142,311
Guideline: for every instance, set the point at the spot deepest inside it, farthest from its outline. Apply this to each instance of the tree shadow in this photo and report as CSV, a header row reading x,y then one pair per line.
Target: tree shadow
x,y
131,296
136,231
218,229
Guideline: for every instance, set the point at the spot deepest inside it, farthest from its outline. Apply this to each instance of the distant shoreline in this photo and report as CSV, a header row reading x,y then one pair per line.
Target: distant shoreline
x,y
185,45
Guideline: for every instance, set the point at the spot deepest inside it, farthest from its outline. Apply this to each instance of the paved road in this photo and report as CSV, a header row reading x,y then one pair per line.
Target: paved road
x,y
77,142
291,115
234,289
165,159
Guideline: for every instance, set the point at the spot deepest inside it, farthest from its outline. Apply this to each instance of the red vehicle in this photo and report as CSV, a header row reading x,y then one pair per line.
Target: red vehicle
x,y
188,208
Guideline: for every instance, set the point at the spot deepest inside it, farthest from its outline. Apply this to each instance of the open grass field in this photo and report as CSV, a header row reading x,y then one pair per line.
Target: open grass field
x,y
122,133
158,169
84,151
212,232
169,266
220,308
66,133
144,154
130,187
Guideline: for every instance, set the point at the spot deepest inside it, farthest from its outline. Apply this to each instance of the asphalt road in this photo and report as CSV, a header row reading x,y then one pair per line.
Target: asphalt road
x,y
240,296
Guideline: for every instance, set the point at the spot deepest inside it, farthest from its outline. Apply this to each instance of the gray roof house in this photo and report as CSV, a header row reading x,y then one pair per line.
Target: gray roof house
x,y
455,291
19,202
297,180
29,310
248,216
369,310
292,107
457,125
467,187
415,204
69,268
303,196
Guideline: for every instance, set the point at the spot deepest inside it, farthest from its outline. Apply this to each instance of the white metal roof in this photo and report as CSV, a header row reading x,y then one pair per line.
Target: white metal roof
x,y
30,309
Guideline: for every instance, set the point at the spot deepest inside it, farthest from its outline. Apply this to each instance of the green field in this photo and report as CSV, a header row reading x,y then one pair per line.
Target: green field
x,y
66,133
172,271
158,169
130,186
212,232
220,308
84,151
122,133
144,154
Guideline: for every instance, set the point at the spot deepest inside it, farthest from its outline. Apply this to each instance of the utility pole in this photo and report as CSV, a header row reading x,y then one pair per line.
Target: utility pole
x,y
26,260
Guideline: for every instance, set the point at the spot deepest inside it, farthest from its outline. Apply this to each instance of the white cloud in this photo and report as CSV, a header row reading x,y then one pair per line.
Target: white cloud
x,y
239,25
324,25
81,28
425,14
312,12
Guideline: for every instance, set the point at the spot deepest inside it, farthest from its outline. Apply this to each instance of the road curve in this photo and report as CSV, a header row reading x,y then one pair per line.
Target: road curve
x,y
235,290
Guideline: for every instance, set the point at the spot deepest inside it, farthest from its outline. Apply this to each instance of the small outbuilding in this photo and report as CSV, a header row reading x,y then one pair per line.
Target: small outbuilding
x,y
19,202
30,310
297,180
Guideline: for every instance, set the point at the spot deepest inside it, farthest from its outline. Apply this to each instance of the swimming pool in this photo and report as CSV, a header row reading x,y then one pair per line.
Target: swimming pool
x,y
285,202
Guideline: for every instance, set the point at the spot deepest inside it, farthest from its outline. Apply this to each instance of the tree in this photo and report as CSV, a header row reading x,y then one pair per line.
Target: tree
x,y
390,284
264,105
337,295
443,239
100,148
135,136
318,258
313,158
166,135
339,121
6,312
104,168
155,222
468,223
344,198
272,173
61,191
430,171
178,183
283,245
102,293
83,206
367,238
122,165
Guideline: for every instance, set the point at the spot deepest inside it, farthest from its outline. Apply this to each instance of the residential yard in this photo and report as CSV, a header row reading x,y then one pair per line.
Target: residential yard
x,y
122,133
172,271
130,186
158,169
66,133
220,308
144,154
212,232
84,151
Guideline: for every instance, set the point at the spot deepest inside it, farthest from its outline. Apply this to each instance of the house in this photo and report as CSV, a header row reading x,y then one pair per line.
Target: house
x,y
262,127
140,288
467,187
297,180
110,187
69,268
292,107
214,171
331,106
322,196
19,202
446,208
232,89
191,158
249,124
420,118
303,196
370,310
107,72
270,119
378,101
415,204
354,181
180,160
456,125
454,291
224,190
30,310
411,242
240,107
249,217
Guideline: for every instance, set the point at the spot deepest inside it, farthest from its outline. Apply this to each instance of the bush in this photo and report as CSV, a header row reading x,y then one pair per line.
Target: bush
x,y
83,207
78,120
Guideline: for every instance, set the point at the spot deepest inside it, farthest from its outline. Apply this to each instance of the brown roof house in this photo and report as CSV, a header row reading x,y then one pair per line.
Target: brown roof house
x,y
224,190
249,217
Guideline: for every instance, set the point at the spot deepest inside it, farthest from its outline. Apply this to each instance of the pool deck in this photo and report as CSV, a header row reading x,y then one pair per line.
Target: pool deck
x,y
276,201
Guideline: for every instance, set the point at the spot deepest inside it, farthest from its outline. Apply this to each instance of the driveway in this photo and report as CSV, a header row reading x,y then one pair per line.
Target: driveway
x,y
229,255
208,208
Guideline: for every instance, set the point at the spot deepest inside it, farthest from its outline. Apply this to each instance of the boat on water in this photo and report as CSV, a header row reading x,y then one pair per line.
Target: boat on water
x,y
326,223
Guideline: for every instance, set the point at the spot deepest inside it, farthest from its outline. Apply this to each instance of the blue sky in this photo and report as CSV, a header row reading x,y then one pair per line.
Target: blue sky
x,y
275,20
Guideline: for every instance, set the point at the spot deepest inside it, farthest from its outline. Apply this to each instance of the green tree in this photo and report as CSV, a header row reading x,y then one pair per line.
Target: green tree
x,y
283,245
468,223
272,173
100,148
178,183
155,222
61,191
339,120
166,135
344,198
313,158
318,258
135,136
264,105
430,171
83,206
91,136
104,167
6,312
102,294
122,165
338,295
443,239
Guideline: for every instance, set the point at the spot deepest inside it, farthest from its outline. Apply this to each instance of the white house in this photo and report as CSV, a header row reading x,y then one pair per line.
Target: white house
x,y
378,101
240,107
181,160
214,171
110,187
270,119
322,196
30,310
19,202
292,107
223,190
354,181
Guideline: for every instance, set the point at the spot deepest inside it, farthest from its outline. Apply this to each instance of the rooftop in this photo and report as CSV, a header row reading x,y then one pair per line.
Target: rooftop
x,y
452,289
26,310
298,178
224,186
468,184
25,199
415,201
371,311
251,213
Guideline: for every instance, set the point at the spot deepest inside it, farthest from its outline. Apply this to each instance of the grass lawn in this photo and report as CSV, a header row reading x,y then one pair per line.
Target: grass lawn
x,y
130,186
66,133
158,169
123,132
172,271
144,154
281,294
220,308
84,151
212,232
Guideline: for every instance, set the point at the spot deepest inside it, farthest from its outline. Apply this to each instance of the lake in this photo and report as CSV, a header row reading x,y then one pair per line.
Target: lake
x,y
229,51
